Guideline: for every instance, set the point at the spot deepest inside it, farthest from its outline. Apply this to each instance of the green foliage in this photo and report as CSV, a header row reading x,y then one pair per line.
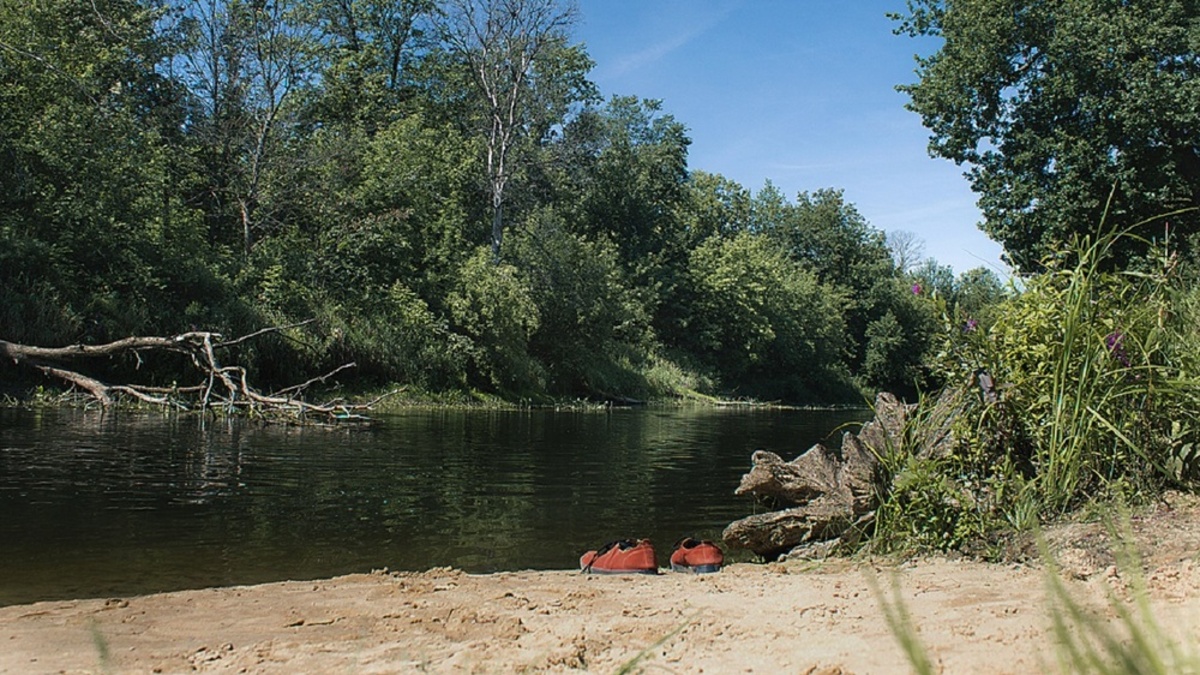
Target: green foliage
x,y
976,293
715,206
898,342
1085,356
830,237
637,161
369,45
889,358
1053,104
589,316
1084,385
87,209
493,307
759,316
420,180
522,77
957,500
233,165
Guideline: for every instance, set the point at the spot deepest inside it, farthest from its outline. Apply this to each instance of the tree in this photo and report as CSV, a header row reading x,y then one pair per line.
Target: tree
x,y
763,320
494,309
907,249
589,316
368,46
827,234
933,277
94,240
1056,105
245,61
637,178
977,292
524,75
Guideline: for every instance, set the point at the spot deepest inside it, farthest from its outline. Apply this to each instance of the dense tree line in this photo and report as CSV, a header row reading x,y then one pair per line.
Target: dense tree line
x,y
438,184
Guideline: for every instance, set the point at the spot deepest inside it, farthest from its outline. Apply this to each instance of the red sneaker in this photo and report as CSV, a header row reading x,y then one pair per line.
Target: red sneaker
x,y
699,557
627,556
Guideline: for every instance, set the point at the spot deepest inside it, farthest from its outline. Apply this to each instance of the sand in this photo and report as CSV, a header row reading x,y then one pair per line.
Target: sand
x,y
791,617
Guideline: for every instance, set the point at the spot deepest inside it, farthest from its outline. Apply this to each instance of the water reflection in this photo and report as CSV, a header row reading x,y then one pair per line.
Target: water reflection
x,y
120,504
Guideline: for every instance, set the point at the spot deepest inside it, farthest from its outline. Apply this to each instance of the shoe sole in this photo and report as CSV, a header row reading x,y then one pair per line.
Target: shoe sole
x,y
695,569
600,571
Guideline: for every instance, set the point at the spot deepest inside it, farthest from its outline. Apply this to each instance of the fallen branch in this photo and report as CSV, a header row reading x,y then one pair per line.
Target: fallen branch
x,y
221,387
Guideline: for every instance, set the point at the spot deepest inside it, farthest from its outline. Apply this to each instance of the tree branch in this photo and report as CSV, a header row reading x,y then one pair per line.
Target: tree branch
x,y
221,386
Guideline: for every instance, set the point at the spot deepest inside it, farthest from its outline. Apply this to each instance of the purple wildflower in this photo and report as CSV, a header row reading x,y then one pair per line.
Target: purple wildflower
x,y
1115,341
971,325
916,289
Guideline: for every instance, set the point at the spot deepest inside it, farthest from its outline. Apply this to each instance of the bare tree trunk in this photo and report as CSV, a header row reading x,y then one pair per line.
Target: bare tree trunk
x,y
497,230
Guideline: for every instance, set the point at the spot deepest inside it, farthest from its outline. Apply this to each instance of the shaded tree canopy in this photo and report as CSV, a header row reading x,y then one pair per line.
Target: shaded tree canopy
x,y
1055,106
340,167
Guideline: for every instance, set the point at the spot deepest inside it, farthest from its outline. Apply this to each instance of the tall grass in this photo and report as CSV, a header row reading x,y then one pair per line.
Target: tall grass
x,y
1079,387
1096,394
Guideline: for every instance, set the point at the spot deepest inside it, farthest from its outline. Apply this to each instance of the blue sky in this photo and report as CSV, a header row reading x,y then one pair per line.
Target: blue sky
x,y
798,92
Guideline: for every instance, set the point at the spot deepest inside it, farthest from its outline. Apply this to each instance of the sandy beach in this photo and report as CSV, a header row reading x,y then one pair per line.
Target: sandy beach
x,y
791,617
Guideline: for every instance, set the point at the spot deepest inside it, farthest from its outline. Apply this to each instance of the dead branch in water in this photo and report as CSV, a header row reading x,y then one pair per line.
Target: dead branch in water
x,y
222,388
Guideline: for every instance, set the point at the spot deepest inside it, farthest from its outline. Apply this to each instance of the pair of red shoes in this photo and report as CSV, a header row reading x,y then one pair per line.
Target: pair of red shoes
x,y
630,556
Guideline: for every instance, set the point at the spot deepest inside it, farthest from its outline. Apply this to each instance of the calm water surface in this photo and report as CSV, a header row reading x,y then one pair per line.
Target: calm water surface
x,y
123,504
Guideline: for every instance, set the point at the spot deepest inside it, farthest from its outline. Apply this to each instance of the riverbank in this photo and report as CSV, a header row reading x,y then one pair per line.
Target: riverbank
x,y
792,617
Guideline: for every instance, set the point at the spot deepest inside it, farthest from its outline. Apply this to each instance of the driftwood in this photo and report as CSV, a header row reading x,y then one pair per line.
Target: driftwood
x,y
220,387
829,495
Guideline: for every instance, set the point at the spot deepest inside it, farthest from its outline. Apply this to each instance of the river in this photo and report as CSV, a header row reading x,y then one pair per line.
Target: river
x,y
96,505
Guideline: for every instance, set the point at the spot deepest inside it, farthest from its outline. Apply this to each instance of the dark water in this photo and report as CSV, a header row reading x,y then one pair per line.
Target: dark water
x,y
124,504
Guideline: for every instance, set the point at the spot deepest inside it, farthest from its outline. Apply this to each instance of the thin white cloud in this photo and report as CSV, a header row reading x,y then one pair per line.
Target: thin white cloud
x,y
655,52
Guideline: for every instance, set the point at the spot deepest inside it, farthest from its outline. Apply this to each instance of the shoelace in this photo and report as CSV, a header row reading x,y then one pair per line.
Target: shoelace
x,y
623,543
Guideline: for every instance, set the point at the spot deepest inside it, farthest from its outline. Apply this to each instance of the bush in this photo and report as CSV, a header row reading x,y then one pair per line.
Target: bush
x,y
495,310
1084,386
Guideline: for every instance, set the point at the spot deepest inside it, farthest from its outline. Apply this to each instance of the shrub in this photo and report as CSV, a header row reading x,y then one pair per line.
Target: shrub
x,y
495,310
1084,386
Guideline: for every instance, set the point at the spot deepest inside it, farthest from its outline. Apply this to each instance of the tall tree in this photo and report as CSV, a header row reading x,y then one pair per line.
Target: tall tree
x,y
369,46
1055,106
638,176
523,72
92,233
246,60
